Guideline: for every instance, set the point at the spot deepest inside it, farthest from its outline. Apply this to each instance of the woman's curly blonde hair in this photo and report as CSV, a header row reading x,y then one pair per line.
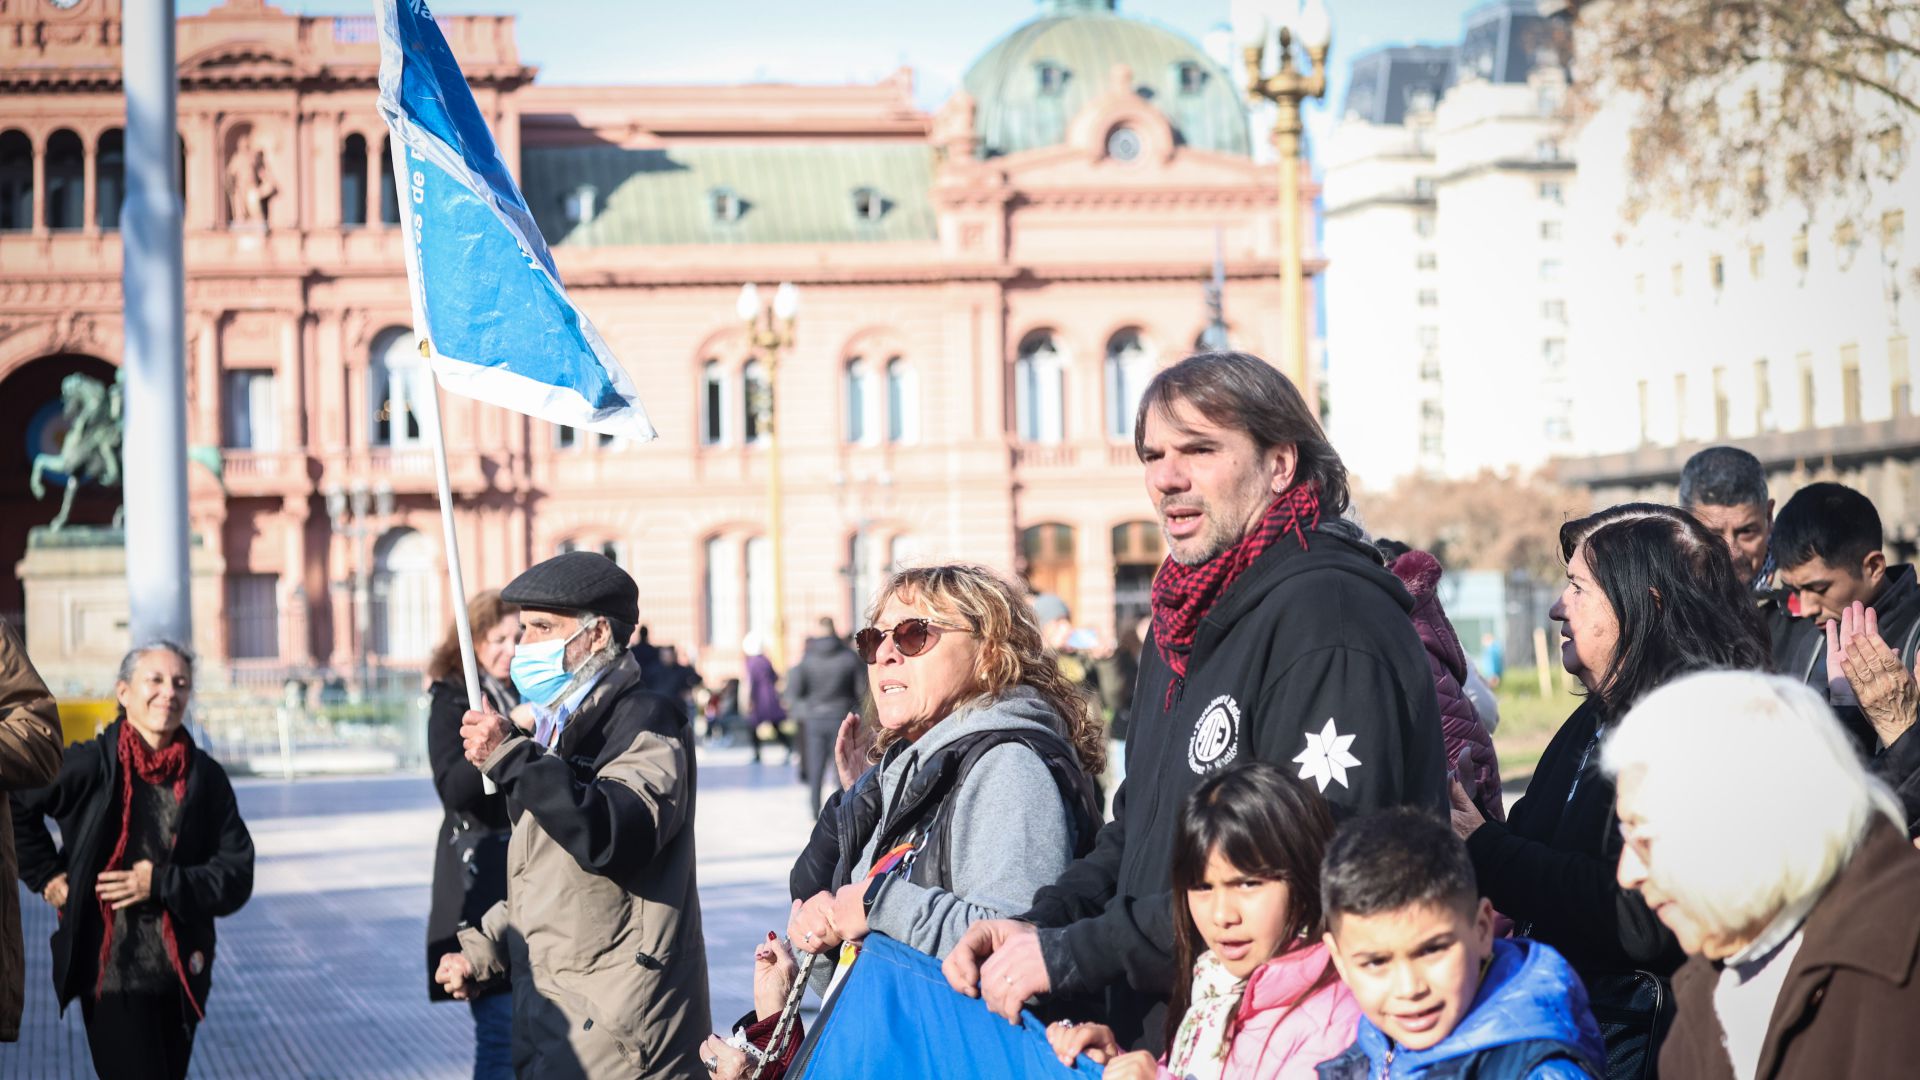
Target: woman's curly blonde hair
x,y
1011,653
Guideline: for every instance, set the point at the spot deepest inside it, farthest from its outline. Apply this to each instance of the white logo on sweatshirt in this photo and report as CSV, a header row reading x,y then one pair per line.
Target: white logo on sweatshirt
x,y
1216,736
1326,758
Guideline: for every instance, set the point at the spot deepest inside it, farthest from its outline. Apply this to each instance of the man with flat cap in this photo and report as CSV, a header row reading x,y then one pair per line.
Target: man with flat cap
x,y
600,931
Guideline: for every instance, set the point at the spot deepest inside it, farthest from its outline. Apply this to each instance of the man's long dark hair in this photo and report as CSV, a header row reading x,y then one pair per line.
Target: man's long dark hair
x,y
1267,824
1672,587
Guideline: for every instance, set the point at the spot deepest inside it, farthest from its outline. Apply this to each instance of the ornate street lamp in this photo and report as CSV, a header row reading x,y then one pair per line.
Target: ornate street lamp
x,y
770,333
1256,22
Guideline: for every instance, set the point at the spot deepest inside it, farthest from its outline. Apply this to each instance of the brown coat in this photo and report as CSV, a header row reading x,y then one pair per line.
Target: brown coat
x,y
29,758
1851,997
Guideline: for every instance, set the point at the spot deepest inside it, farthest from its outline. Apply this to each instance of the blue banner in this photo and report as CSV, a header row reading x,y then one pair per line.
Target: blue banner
x,y
486,294
894,1015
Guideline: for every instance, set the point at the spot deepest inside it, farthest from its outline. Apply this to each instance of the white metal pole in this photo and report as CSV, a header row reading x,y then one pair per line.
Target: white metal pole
x,y
438,440
154,290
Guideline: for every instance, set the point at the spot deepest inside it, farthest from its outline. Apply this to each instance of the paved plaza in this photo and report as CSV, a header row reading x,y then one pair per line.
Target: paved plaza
x,y
323,973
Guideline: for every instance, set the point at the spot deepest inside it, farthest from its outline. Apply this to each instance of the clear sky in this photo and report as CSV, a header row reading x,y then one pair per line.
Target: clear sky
x,y
829,41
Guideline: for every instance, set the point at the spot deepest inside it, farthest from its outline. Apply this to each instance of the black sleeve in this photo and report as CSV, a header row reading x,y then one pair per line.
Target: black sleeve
x,y
1898,766
454,778
1092,938
1089,882
813,870
224,882
797,684
1338,718
40,860
1573,898
615,823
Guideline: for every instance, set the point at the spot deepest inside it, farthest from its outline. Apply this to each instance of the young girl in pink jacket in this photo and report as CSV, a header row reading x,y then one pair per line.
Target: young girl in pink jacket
x,y
1256,995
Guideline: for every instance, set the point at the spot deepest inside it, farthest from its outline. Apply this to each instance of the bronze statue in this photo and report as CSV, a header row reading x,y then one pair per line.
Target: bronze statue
x,y
90,452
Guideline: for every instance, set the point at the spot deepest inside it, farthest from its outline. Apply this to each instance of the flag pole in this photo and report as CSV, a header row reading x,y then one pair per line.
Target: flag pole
x,y
461,627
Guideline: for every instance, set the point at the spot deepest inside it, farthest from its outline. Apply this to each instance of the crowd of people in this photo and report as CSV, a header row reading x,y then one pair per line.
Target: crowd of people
x,y
1308,869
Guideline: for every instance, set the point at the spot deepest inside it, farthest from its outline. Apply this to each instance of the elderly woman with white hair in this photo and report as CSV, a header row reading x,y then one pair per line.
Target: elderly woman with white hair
x,y
1756,835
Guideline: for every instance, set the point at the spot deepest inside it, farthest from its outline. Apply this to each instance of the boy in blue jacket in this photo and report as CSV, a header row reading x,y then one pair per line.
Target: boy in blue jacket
x,y
1413,940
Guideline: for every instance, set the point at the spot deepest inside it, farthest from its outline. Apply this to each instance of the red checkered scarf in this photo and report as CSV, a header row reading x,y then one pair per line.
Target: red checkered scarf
x,y
1182,595
167,765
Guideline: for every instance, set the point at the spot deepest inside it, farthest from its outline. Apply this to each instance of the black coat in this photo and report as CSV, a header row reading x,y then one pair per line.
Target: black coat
x,y
209,875
1551,866
470,850
826,684
1303,641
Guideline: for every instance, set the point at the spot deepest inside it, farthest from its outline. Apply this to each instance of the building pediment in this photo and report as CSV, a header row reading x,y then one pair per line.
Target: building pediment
x,y
232,63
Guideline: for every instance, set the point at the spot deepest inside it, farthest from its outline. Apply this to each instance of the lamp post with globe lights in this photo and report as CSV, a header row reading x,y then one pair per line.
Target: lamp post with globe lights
x,y
1257,23
770,333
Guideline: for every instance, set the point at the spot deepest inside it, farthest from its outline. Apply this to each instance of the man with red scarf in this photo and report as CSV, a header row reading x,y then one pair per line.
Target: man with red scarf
x,y
1277,636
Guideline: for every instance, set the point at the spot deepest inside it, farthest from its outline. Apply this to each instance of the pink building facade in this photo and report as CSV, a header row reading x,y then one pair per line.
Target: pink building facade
x,y
985,290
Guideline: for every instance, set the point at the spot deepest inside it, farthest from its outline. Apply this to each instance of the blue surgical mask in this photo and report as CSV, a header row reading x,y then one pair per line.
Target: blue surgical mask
x,y
539,671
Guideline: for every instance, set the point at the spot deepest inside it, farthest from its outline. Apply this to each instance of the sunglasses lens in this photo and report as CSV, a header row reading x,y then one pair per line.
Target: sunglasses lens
x,y
912,636
867,644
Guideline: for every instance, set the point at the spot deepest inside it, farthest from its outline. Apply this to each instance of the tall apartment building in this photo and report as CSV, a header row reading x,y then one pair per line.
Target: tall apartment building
x,y
1446,182
1786,333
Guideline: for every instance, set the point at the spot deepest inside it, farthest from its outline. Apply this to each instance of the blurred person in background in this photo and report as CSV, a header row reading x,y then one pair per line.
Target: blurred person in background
x,y
824,686
152,851
766,713
30,751
470,855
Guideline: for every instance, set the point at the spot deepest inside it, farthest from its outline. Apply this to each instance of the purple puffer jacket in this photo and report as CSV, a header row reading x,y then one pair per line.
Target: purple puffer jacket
x,y
763,691
1460,726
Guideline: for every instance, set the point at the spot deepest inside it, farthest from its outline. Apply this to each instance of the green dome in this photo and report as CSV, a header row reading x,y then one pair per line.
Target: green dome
x,y
1029,84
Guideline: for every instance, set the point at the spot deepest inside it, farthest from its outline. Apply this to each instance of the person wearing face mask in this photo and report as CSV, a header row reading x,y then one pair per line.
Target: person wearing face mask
x,y
1651,596
152,851
600,930
470,850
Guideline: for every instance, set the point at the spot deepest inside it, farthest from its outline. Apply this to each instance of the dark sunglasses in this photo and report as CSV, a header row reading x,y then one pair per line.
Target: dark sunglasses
x,y
912,637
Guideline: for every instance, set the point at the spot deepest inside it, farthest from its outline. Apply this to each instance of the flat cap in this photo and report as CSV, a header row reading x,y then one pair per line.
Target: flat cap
x,y
577,581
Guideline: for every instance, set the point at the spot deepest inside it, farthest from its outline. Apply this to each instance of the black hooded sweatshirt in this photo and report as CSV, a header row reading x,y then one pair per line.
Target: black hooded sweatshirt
x,y
1309,661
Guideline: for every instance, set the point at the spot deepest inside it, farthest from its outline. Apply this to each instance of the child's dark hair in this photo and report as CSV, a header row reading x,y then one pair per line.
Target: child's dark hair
x,y
1826,521
1268,825
1393,860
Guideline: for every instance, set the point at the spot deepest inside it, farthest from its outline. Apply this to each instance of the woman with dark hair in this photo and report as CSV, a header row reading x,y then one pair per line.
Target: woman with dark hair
x,y
1255,993
470,852
152,851
1651,595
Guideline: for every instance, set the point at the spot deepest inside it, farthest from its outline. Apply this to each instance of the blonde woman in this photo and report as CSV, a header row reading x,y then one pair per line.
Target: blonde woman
x,y
982,784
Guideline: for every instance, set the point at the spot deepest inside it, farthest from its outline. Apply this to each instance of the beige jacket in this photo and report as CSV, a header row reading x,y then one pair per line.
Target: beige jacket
x,y
600,932
30,746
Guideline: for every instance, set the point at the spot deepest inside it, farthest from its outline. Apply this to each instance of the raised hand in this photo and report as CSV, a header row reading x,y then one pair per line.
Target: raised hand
x,y
1888,693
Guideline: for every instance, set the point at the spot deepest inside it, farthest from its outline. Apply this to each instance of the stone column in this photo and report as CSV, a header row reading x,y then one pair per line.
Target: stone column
x,y
40,187
293,405
331,434
323,131
89,213
207,379
295,642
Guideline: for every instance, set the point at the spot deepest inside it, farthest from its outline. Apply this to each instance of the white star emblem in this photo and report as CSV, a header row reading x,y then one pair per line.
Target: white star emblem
x,y
1326,757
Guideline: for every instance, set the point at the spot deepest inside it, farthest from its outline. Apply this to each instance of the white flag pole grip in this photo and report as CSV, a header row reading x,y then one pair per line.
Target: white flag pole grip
x,y
437,439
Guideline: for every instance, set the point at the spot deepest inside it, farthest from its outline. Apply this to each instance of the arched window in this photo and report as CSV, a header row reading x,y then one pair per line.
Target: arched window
x,y
66,171
353,181
406,596
1051,563
863,404
389,195
397,386
903,402
1129,366
110,178
756,401
714,413
1039,387
722,593
16,180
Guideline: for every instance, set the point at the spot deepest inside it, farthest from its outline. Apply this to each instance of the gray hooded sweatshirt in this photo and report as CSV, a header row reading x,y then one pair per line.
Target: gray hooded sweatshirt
x,y
1012,833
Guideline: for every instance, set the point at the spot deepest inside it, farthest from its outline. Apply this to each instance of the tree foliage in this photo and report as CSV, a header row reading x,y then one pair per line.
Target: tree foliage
x,y
1492,521
1744,102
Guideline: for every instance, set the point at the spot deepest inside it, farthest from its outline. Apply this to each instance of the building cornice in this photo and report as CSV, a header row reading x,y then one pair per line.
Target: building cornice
x,y
1898,437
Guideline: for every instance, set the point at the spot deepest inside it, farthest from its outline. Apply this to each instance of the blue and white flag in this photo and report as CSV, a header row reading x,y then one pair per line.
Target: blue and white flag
x,y
486,294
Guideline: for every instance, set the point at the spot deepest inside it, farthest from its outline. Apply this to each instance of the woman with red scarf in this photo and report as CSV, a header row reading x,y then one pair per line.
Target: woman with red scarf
x,y
153,851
